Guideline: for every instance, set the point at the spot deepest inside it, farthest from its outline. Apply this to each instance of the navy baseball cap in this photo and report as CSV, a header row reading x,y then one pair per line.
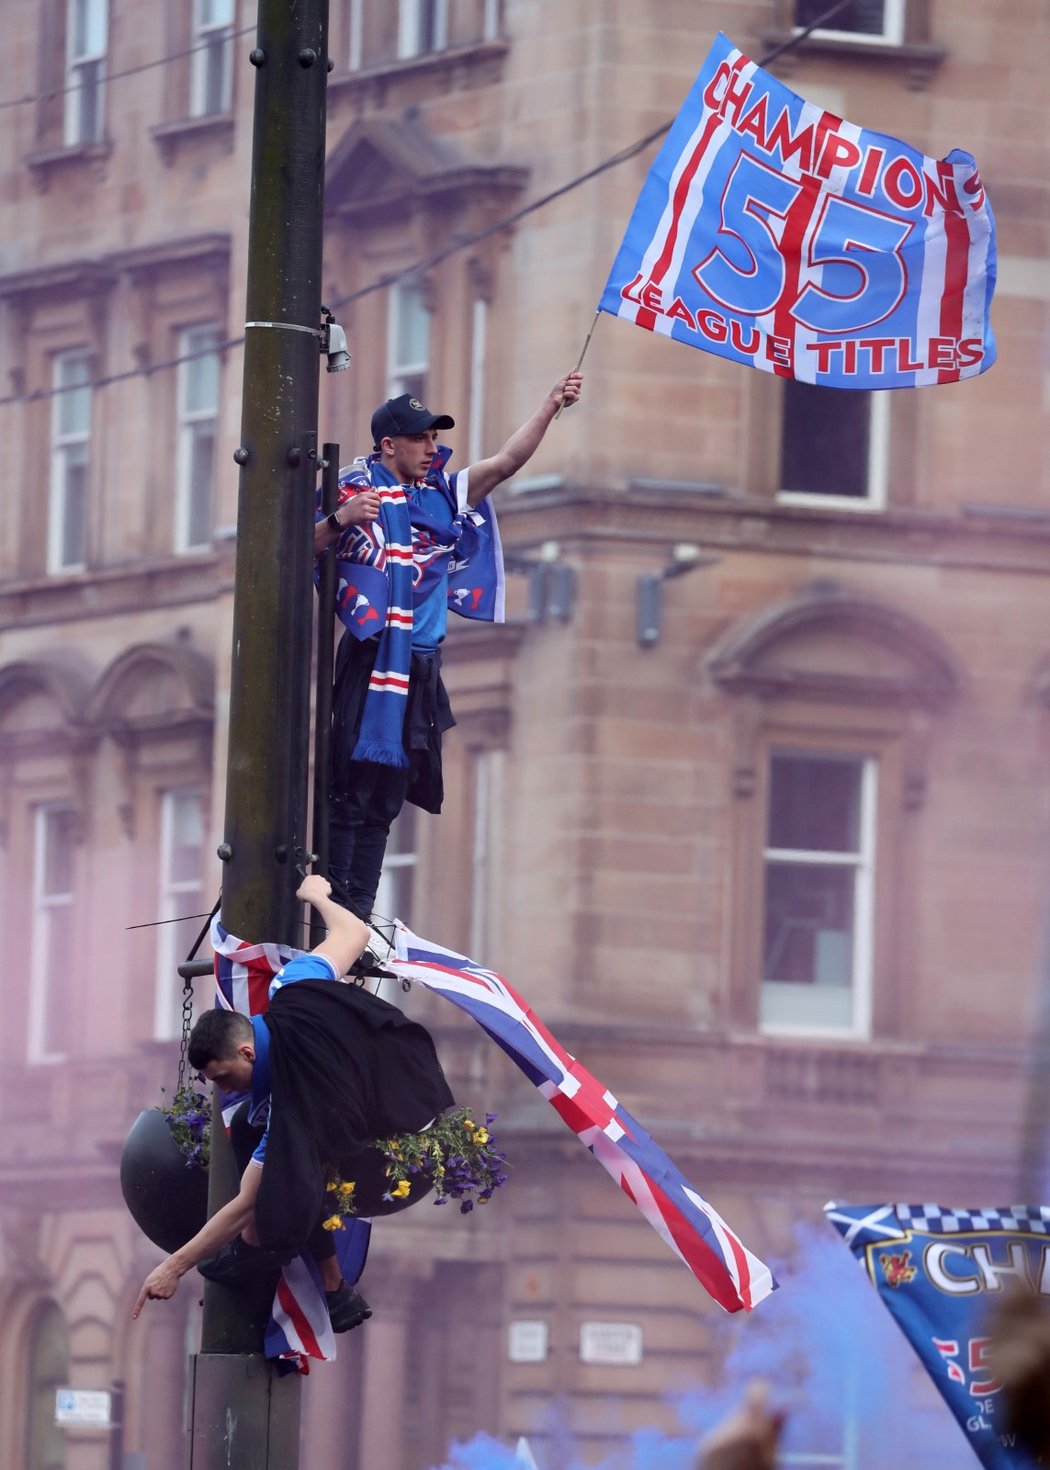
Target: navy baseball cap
x,y
406,415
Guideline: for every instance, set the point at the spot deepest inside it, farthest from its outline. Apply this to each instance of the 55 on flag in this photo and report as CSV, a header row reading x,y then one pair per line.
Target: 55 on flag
x,y
774,233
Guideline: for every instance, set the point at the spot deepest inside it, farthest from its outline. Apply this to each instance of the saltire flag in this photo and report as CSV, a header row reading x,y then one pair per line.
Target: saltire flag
x,y
690,1226
773,233
299,1328
939,1272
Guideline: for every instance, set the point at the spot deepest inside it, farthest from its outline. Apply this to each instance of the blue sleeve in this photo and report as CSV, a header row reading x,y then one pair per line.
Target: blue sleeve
x,y
304,967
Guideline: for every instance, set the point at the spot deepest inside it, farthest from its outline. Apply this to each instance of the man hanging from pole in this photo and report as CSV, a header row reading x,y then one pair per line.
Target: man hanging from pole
x,y
431,544
330,1068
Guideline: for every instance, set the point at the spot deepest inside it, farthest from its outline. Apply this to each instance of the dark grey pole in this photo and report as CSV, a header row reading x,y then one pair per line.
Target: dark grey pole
x,y
244,1416
326,592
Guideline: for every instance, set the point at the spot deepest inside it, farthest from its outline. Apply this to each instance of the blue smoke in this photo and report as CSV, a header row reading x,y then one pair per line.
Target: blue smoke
x,y
833,1357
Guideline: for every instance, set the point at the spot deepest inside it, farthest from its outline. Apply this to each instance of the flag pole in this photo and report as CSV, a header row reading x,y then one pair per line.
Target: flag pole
x,y
583,350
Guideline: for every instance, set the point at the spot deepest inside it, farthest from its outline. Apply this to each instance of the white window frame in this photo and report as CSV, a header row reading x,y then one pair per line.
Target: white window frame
x,y
205,33
397,371
863,864
491,20
488,807
177,898
478,365
892,33
395,864
878,466
77,63
190,342
44,906
356,24
65,447
410,17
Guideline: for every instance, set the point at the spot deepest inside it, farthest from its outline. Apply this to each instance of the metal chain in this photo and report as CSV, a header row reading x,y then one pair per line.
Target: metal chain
x,y
187,998
187,1023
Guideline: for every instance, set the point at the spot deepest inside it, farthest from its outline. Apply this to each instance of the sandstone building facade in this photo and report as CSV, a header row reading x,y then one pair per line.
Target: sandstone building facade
x,y
776,867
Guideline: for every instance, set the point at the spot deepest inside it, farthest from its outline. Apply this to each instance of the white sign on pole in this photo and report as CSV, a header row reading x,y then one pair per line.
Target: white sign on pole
x,y
82,1408
611,1342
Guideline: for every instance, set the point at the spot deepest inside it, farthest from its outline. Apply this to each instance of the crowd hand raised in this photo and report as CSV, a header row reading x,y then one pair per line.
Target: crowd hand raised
x,y
747,1439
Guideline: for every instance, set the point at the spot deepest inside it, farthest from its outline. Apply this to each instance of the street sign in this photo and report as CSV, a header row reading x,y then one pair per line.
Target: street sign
x,y
611,1342
82,1408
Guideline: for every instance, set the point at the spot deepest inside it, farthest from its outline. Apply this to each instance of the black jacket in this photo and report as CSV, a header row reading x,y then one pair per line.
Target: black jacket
x,y
345,1068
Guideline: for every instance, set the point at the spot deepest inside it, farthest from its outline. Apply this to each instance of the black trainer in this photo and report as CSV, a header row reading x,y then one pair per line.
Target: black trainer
x,y
239,1262
347,1308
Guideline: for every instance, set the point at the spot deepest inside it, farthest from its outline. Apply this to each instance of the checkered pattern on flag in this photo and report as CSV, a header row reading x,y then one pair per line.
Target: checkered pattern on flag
x,y
299,1328
690,1226
773,233
938,1271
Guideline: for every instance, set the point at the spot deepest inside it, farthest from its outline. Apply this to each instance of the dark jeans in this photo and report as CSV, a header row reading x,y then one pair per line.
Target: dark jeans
x,y
359,825
243,1139
364,798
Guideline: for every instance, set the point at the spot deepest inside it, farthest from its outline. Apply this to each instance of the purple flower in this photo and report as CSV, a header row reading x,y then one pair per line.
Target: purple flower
x,y
466,1207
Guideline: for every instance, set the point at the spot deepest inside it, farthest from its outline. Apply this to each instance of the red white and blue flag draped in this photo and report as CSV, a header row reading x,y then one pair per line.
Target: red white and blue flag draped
x,y
690,1226
299,1328
771,232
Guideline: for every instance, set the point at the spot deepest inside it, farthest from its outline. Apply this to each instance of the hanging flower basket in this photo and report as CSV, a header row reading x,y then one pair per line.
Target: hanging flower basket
x,y
166,1196
454,1159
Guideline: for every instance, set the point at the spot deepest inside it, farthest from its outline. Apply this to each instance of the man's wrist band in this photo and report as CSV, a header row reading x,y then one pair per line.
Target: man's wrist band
x,y
332,520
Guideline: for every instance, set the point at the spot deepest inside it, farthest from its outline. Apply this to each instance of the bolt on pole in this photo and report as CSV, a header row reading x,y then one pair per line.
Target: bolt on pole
x,y
244,1416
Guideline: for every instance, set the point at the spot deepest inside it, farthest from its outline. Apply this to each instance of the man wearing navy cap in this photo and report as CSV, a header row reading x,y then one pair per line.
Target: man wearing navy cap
x,y
401,515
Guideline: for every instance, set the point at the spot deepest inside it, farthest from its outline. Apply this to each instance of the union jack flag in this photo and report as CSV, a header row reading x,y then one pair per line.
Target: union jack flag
x,y
677,1212
771,232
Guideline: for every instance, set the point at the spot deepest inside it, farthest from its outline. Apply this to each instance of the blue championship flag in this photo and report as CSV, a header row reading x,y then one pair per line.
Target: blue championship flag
x,y
771,232
939,1272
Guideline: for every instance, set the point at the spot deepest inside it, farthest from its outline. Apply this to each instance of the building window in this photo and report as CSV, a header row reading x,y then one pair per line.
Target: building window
x,y
86,27
48,1364
397,881
833,446
819,892
70,443
182,833
862,20
422,27
409,342
382,34
54,847
210,68
198,407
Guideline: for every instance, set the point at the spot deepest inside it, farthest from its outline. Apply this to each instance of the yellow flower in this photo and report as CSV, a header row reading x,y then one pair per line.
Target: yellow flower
x,y
400,1189
467,1124
334,1222
347,1187
330,1184
481,1135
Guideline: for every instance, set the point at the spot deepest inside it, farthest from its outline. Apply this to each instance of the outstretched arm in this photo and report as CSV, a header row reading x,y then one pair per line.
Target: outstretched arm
x,y
223,1226
523,443
347,935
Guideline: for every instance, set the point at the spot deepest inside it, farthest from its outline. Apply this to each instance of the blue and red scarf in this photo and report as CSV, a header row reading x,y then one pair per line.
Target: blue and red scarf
x,y
374,595
387,549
